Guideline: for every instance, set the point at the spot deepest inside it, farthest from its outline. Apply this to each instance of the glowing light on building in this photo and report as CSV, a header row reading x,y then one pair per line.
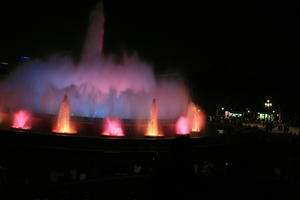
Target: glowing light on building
x,y
25,58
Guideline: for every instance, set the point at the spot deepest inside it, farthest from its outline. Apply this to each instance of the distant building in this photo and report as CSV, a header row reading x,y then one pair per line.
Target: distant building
x,y
265,116
229,114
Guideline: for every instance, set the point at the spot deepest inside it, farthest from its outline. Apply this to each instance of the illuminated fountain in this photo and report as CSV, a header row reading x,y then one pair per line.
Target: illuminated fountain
x,y
22,119
182,126
196,118
99,85
152,127
63,123
112,127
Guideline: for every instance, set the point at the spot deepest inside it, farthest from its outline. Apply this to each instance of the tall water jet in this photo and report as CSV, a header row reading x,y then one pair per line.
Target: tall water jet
x,y
182,126
152,128
94,40
22,119
112,127
63,123
196,118
98,84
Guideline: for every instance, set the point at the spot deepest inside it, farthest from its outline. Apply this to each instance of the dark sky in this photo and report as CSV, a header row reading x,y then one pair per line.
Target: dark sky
x,y
233,53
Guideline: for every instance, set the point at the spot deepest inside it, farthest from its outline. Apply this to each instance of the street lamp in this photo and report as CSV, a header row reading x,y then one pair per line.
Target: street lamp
x,y
268,105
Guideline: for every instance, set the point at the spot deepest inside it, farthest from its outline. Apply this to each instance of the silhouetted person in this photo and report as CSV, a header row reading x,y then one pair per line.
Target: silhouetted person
x,y
285,128
271,125
280,127
267,126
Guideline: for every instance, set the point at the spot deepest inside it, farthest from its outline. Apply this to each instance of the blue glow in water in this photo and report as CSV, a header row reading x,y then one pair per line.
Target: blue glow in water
x,y
123,90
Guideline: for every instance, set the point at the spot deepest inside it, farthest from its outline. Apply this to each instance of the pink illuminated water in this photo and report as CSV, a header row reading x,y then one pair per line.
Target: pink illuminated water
x,y
22,119
97,85
112,127
182,126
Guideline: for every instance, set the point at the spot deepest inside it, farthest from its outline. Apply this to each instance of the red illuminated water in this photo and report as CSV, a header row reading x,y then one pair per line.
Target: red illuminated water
x,y
196,118
182,126
112,127
22,119
63,123
152,129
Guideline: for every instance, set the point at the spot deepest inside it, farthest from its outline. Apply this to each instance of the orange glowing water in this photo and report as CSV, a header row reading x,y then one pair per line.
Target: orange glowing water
x,y
152,129
2,117
196,118
22,119
182,126
63,123
112,127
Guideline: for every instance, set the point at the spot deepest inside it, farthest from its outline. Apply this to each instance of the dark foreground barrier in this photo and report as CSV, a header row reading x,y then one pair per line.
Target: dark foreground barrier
x,y
236,165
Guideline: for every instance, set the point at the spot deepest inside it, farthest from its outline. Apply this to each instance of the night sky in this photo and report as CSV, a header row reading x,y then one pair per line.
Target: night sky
x,y
236,54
